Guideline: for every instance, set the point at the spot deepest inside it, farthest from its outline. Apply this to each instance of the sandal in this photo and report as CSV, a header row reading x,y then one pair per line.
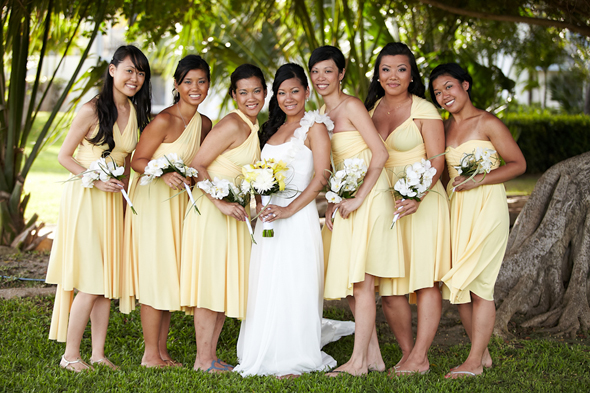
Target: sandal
x,y
66,364
172,363
104,362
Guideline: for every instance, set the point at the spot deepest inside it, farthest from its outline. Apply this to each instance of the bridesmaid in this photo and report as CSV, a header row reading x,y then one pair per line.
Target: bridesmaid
x,y
362,245
412,130
87,248
216,245
479,212
152,237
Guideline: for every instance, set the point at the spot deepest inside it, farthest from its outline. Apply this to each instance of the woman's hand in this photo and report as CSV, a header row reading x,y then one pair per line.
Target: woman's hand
x,y
175,180
468,185
347,206
111,185
231,209
328,217
274,212
407,207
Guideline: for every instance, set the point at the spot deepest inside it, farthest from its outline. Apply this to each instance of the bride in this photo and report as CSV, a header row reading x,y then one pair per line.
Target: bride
x,y
281,333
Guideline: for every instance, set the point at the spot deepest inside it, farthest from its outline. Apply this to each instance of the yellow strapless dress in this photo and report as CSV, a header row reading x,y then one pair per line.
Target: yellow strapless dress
x,y
362,243
426,234
151,252
479,233
87,249
215,253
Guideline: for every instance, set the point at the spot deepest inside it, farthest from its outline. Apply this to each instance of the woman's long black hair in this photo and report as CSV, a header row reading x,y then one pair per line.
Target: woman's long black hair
x,y
106,110
452,69
186,64
376,91
276,116
245,71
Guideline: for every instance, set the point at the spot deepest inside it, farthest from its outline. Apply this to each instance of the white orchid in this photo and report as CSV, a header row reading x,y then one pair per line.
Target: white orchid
x,y
264,180
332,197
335,184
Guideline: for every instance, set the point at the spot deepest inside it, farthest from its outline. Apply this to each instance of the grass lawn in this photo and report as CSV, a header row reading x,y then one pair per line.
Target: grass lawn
x,y
29,361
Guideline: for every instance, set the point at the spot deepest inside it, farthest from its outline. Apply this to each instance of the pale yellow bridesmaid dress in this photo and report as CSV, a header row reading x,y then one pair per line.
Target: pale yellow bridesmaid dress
x,y
479,232
87,249
151,253
426,234
363,243
215,253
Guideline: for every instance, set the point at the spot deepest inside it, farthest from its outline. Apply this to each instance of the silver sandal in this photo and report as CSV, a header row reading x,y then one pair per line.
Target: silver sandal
x,y
66,364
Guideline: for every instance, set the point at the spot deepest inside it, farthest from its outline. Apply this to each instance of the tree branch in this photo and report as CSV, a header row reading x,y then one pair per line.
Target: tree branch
x,y
584,30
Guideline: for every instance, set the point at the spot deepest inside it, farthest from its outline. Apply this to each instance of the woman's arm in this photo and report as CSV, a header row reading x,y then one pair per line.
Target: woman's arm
x,y
82,126
221,137
433,133
319,144
360,119
506,147
151,138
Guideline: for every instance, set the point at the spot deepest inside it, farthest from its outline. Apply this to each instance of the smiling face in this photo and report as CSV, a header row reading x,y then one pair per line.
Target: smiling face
x,y
291,97
249,96
326,77
450,93
127,79
194,87
395,74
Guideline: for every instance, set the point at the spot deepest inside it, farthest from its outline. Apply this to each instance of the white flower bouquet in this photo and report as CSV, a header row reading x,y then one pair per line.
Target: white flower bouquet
x,y
344,183
104,170
224,189
414,183
264,178
480,161
166,164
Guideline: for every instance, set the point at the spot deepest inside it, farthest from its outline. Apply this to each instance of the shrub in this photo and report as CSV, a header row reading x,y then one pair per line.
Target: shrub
x,y
547,139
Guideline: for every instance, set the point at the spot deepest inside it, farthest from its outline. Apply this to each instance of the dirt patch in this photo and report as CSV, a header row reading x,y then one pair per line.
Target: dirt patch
x,y
20,274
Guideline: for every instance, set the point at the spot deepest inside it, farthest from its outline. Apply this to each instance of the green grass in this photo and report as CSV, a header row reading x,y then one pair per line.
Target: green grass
x,y
522,185
45,180
29,362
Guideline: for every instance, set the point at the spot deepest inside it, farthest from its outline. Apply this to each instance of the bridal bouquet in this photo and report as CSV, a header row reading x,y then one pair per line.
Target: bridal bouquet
x,y
224,189
414,182
104,170
166,164
479,161
264,178
344,183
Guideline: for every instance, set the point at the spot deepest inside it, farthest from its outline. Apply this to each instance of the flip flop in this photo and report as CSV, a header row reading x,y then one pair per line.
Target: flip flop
x,y
227,366
341,372
462,373
405,373
213,367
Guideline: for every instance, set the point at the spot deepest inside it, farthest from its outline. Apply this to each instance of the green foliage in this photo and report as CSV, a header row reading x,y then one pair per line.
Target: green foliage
x,y
548,139
29,361
566,89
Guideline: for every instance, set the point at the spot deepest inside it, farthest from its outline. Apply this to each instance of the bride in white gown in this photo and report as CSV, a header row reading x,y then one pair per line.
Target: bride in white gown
x,y
282,330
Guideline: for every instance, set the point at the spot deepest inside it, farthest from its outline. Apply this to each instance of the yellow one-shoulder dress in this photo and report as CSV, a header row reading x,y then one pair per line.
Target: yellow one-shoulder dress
x,y
215,253
87,248
479,233
363,243
426,234
151,253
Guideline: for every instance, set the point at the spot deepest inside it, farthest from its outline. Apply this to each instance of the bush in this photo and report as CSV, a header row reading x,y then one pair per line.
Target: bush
x,y
547,139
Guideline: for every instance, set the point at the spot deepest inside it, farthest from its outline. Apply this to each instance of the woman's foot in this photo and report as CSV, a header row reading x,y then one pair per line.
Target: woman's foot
x,y
153,362
348,368
465,370
76,366
104,362
410,366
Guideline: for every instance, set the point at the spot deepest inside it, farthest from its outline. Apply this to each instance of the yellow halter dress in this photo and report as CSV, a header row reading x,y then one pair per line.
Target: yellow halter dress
x,y
479,232
215,253
151,253
87,249
363,243
426,234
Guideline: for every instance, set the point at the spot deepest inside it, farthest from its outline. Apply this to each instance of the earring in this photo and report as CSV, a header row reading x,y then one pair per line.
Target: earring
x,y
377,79
412,80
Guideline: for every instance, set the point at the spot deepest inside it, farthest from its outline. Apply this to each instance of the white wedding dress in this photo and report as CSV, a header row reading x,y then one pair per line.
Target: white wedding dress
x,y
281,334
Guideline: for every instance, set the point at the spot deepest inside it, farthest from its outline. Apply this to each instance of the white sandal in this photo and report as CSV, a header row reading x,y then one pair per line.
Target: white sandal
x,y
66,364
104,362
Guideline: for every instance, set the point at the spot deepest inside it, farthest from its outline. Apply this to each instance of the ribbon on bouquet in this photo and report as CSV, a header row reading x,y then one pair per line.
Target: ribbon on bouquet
x,y
190,195
128,200
396,216
267,227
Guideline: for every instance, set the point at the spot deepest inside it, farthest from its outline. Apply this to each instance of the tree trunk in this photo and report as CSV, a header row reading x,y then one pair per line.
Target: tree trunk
x,y
587,100
545,273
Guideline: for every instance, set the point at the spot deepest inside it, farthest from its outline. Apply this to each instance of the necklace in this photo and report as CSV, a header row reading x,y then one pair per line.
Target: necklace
x,y
180,114
395,107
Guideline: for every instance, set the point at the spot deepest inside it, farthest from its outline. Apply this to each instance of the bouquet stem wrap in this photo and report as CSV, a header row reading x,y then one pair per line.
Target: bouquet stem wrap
x,y
267,227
